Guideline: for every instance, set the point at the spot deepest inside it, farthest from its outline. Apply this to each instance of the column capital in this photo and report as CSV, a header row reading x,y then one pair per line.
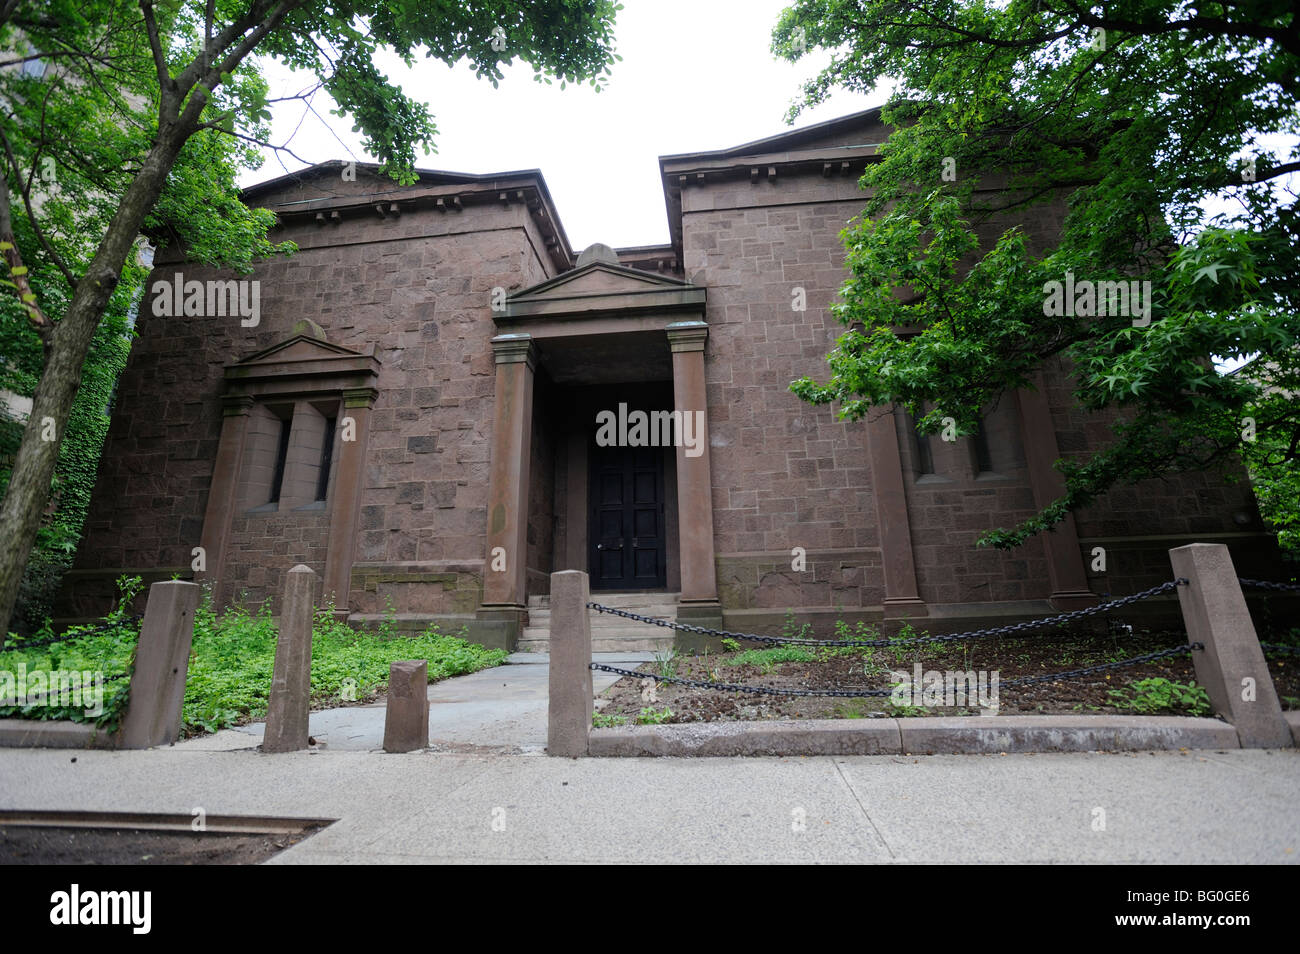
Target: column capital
x,y
514,349
236,405
359,397
687,335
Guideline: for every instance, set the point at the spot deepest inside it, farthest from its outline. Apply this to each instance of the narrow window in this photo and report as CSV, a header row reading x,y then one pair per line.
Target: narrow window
x,y
924,457
983,458
326,458
281,456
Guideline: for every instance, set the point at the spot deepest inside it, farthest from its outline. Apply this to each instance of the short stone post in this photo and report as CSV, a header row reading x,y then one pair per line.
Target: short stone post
x,y
162,659
290,702
1231,667
406,719
569,705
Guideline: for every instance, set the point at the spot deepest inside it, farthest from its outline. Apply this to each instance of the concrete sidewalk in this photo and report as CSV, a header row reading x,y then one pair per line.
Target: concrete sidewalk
x,y
1164,807
487,794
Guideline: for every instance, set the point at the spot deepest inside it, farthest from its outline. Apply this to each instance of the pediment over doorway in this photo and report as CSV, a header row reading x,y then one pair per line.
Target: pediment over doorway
x,y
604,288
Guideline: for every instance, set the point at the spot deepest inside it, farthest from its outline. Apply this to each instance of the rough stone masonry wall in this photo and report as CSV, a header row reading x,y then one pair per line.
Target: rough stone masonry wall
x,y
785,474
416,289
1138,525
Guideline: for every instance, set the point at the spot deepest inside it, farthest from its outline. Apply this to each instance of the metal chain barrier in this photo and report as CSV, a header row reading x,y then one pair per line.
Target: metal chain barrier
x,y
864,693
886,643
1279,648
1270,585
66,637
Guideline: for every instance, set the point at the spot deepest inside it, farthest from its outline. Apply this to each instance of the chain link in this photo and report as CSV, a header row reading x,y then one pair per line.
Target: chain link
x,y
66,637
879,693
1279,648
1270,585
885,643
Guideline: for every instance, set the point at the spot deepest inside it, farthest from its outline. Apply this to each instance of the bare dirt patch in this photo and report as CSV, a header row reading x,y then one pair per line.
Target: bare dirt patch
x,y
858,668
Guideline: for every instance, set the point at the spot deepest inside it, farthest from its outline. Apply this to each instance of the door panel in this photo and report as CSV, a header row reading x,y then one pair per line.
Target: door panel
x,y
626,526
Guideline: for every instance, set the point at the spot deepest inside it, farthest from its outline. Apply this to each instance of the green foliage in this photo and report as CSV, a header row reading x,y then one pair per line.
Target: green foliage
x,y
234,657
232,660
600,721
768,659
665,663
651,716
1158,694
1136,132
108,649
731,645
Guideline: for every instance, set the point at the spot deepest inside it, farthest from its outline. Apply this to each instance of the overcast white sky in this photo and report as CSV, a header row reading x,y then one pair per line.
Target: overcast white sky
x,y
695,75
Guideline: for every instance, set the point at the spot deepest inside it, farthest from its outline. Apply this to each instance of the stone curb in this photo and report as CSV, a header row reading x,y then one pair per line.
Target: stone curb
x,y
928,736
53,734
1293,720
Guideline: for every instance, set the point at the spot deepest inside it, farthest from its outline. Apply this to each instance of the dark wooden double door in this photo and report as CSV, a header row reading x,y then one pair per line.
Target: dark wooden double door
x,y
625,534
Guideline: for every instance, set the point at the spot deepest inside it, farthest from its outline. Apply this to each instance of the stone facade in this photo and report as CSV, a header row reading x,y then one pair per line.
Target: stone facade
x,y
451,327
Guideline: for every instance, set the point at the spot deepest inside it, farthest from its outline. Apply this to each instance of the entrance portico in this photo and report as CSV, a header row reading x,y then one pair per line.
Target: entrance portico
x,y
634,511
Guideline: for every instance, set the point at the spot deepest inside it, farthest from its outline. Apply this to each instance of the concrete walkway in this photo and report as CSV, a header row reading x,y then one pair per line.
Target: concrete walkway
x,y
441,807
501,710
486,794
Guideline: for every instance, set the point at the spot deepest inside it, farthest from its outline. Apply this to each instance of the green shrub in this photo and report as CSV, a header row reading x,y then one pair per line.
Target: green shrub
x,y
1158,694
232,659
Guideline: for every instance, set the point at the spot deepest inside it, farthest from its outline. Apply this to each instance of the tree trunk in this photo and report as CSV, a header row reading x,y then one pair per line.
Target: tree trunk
x,y
29,484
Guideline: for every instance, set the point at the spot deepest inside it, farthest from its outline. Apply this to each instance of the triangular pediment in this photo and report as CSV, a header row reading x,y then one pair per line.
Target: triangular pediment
x,y
298,348
599,278
604,288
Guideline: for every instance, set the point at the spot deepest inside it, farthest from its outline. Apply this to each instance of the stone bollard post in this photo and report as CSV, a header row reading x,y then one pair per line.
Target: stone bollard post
x,y
1231,667
569,705
290,702
406,718
162,658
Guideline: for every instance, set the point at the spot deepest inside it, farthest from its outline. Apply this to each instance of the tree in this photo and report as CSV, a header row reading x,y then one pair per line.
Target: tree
x,y
1141,115
173,72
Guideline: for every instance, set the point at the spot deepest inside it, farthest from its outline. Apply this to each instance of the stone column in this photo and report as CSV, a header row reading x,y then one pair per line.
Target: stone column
x,y
162,658
902,597
223,489
505,565
569,687
289,706
345,495
406,717
1231,667
694,481
1065,566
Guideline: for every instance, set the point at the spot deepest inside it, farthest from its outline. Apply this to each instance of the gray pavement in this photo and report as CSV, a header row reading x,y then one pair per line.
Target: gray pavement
x,y
1236,806
487,794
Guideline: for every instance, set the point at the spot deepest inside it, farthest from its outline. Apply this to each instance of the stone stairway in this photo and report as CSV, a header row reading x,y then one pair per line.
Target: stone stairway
x,y
609,634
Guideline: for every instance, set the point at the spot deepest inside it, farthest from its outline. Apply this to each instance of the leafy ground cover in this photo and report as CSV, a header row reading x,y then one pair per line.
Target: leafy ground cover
x,y
232,660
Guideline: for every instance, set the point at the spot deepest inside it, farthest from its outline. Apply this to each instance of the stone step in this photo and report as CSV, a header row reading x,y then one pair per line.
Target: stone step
x,y
542,618
603,645
617,600
609,633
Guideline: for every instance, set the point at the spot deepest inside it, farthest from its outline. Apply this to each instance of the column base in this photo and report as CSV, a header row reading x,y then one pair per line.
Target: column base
x,y
706,613
498,625
1068,600
905,608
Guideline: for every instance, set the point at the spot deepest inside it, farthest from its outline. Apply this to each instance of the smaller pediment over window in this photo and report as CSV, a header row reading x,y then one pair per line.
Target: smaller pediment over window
x,y
300,364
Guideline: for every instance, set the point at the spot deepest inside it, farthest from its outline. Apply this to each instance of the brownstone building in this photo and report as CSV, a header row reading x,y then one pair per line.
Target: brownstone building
x,y
411,405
